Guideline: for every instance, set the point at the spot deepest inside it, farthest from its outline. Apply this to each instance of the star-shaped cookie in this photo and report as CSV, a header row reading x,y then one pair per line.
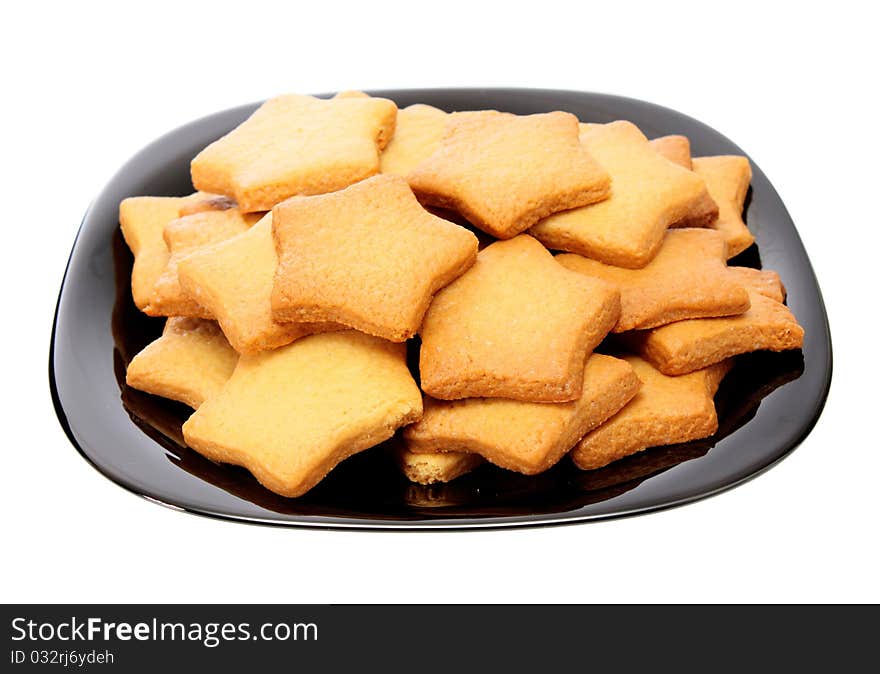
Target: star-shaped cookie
x,y
368,256
677,149
763,281
185,235
142,221
296,145
665,411
686,346
505,172
728,178
649,193
434,467
190,362
517,325
525,437
687,279
419,132
290,415
233,281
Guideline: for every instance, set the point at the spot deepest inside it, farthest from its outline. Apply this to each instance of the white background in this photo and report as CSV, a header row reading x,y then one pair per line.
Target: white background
x,y
85,86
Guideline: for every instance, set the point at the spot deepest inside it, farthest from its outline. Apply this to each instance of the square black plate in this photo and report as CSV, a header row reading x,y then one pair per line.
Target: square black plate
x,y
134,438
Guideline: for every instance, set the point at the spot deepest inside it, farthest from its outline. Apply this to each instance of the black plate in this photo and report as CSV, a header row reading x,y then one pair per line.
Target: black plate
x,y
134,438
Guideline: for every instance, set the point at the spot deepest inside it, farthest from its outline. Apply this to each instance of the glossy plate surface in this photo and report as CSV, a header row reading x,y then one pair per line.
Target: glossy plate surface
x,y
767,405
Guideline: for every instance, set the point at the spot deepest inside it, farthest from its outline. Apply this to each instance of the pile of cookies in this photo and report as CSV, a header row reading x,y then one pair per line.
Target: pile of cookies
x,y
328,235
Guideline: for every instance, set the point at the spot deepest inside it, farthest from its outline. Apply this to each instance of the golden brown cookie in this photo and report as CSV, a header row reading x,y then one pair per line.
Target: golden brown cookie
x,y
190,362
419,132
687,279
296,145
516,325
185,235
143,220
368,256
686,346
505,172
703,213
728,178
648,194
763,281
665,411
291,414
434,467
526,437
676,149
233,281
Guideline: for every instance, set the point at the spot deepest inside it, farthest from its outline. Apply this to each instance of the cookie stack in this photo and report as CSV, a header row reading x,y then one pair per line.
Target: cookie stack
x,y
327,234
